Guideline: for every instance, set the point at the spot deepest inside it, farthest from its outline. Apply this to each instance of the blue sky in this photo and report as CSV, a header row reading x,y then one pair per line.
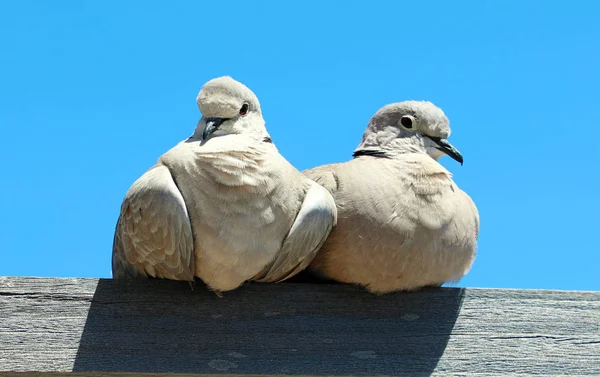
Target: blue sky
x,y
93,92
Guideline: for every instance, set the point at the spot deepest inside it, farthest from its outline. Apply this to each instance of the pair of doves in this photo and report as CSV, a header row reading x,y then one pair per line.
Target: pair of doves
x,y
225,206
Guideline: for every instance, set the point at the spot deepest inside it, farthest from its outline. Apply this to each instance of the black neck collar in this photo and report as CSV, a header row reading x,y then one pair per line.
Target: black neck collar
x,y
367,152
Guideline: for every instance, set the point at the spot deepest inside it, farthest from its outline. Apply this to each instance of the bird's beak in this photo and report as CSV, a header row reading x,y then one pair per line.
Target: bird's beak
x,y
445,146
212,124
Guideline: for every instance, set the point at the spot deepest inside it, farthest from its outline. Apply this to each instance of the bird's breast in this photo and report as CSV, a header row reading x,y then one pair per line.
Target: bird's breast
x,y
233,194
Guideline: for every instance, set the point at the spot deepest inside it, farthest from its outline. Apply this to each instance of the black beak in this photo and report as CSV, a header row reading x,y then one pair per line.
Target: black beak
x,y
445,146
212,124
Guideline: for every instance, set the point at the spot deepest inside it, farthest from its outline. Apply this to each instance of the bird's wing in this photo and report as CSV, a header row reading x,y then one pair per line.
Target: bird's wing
x,y
153,236
325,176
316,218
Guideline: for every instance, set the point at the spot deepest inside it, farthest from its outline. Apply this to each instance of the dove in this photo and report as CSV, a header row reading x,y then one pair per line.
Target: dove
x,y
223,205
403,224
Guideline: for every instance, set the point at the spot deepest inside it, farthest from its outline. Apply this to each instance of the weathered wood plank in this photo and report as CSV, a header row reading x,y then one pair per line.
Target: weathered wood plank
x,y
107,327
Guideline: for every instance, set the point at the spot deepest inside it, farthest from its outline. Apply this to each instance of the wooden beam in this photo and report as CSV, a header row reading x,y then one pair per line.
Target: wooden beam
x,y
108,328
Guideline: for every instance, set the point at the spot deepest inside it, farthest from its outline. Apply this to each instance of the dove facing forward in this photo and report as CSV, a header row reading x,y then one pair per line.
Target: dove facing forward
x,y
223,205
403,223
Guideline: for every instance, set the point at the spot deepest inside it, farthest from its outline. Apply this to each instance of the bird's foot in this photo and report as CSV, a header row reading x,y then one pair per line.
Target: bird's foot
x,y
217,292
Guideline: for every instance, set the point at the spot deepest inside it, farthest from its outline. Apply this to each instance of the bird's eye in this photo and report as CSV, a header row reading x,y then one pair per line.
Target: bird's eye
x,y
244,109
407,122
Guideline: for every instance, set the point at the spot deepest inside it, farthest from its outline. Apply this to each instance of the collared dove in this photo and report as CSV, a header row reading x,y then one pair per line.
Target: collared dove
x,y
223,205
403,223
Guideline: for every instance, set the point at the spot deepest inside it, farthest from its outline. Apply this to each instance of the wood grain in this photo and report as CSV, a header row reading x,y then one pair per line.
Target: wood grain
x,y
108,328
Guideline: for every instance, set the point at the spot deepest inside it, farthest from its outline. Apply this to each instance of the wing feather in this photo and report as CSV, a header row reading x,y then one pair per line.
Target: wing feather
x,y
316,218
153,236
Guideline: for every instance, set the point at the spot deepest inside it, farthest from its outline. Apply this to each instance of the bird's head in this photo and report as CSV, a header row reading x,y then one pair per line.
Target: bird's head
x,y
409,126
229,107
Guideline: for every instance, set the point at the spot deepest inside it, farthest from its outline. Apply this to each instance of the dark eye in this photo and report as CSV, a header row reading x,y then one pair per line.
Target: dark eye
x,y
244,109
406,121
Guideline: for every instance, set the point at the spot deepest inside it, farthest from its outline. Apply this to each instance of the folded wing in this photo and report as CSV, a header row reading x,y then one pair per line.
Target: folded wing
x,y
153,236
316,218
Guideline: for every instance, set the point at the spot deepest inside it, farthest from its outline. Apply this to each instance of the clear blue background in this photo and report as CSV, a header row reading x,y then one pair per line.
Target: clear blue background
x,y
92,92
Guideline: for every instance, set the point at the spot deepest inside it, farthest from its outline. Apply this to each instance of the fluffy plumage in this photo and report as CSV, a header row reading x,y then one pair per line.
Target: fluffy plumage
x,y
403,223
223,205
